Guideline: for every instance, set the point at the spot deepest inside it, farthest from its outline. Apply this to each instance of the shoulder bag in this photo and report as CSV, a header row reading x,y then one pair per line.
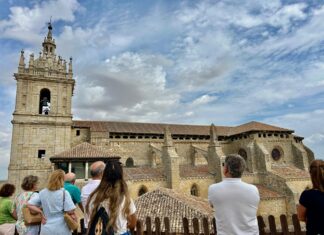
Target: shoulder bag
x,y
31,218
71,223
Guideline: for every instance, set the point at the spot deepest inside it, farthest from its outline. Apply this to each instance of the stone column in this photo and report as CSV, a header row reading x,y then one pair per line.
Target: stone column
x,y
70,167
86,170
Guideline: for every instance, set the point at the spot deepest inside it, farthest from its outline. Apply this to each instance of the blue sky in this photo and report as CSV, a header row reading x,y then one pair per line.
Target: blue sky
x,y
198,62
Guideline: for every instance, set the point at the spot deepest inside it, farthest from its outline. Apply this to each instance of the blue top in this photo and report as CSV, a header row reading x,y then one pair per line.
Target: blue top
x,y
74,192
52,204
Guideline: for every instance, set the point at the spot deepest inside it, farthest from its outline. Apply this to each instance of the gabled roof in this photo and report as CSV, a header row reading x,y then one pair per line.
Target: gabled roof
x,y
164,202
83,151
175,129
256,126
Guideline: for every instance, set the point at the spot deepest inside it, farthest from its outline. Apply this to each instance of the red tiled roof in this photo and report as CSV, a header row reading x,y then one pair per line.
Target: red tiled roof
x,y
266,193
176,129
194,171
164,202
290,172
84,151
143,173
255,126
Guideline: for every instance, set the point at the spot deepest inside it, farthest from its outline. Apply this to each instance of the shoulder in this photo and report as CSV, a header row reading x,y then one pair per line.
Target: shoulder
x,y
307,196
308,192
216,186
6,201
43,191
250,186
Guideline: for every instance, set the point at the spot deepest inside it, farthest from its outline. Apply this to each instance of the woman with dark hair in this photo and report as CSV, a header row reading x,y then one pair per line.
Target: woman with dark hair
x,y
311,202
112,194
29,186
7,218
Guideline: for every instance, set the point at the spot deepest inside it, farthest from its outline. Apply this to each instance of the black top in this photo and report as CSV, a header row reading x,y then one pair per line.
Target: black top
x,y
313,200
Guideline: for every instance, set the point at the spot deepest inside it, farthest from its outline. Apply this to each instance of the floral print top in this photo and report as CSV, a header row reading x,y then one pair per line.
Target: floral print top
x,y
19,203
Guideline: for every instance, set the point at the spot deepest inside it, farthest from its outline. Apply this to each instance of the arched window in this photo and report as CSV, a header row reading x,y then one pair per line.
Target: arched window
x,y
142,190
276,154
44,101
243,154
194,190
129,162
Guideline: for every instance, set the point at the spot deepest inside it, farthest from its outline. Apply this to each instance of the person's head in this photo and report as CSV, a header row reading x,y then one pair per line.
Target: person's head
x,y
30,183
113,189
7,190
69,177
316,171
234,166
56,180
96,169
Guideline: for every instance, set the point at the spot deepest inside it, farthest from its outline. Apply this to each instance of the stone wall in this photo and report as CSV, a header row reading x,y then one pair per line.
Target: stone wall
x,y
272,206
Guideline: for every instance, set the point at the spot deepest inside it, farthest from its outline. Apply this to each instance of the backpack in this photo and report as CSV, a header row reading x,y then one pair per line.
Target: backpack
x,y
99,224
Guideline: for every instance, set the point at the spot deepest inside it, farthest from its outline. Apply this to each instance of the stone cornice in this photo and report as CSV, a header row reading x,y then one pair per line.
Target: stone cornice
x,y
52,123
61,79
146,179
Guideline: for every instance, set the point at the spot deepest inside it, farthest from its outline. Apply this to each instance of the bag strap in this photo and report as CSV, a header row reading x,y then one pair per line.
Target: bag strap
x,y
63,198
28,198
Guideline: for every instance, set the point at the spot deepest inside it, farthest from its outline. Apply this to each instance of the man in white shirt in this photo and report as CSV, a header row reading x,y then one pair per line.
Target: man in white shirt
x,y
96,171
235,202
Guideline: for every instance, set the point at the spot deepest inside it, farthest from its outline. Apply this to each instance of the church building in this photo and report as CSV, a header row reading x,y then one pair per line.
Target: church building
x,y
184,158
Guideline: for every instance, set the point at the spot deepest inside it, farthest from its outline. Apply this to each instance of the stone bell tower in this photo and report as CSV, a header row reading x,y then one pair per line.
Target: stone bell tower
x,y
42,118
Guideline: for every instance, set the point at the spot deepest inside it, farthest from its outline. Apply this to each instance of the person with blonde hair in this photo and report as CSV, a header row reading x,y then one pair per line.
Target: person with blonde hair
x,y
311,202
51,201
29,186
112,195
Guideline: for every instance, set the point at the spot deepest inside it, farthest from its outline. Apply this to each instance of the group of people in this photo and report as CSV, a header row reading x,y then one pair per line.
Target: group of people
x,y
107,190
235,202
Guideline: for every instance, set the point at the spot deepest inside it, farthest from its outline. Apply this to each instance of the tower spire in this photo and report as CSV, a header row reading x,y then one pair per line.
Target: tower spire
x,y
167,137
213,136
49,34
49,43
21,65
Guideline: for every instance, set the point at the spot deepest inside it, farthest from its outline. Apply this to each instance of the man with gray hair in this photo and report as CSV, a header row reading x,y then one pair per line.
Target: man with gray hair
x,y
96,171
235,202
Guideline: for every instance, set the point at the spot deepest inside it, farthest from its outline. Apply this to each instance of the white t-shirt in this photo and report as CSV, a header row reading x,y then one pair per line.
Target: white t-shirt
x,y
85,193
236,204
121,222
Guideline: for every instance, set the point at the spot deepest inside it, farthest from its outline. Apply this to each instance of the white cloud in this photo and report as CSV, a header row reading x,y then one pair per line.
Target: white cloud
x,y
204,99
26,23
129,86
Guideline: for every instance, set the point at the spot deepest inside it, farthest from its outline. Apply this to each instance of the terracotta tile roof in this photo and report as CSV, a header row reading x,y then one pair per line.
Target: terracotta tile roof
x,y
143,173
194,171
164,202
266,193
290,172
176,129
82,151
256,126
